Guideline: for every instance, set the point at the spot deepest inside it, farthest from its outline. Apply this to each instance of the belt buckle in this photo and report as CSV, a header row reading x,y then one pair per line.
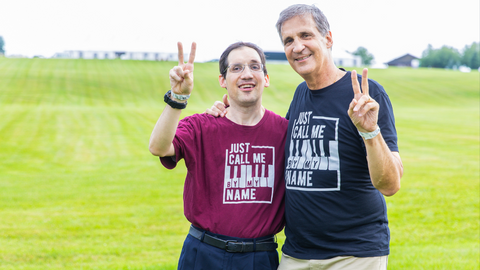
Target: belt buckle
x,y
234,242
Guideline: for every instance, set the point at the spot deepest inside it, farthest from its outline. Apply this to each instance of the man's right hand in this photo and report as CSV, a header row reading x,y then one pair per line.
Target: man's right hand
x,y
181,81
219,108
181,76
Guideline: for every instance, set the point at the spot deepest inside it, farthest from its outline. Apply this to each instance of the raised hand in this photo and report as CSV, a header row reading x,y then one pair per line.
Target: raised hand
x,y
181,76
363,109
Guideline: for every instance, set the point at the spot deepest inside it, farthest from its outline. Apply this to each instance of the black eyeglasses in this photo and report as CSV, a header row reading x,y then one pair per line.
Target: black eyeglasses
x,y
238,68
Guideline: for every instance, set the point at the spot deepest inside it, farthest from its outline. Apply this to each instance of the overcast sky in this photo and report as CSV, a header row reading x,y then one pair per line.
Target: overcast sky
x,y
388,29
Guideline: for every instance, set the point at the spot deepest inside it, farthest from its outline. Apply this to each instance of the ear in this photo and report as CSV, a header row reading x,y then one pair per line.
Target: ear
x,y
267,81
329,39
222,81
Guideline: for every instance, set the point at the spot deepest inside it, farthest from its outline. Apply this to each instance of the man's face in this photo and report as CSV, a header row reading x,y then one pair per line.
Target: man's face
x,y
246,87
305,47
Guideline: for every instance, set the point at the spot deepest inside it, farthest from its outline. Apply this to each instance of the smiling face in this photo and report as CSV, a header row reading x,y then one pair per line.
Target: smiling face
x,y
307,51
245,88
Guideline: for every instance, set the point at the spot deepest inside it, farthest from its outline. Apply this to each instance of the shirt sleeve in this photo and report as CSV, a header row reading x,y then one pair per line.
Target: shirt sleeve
x,y
169,162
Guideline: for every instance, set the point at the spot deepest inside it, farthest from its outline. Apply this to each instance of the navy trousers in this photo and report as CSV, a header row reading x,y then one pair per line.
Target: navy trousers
x,y
197,255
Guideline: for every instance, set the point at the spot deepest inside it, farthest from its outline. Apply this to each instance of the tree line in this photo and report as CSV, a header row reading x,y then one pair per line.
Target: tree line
x,y
2,43
445,57
449,57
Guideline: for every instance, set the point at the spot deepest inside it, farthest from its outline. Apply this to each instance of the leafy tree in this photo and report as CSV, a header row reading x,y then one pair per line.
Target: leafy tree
x,y
367,57
471,56
2,51
445,57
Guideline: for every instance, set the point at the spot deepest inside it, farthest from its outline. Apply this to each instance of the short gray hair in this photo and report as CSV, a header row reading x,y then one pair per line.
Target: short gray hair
x,y
303,10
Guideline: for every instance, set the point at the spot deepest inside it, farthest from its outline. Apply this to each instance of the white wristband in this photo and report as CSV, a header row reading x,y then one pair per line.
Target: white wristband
x,y
180,97
370,135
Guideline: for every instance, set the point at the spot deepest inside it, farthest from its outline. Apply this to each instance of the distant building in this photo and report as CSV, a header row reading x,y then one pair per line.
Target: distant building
x,y
407,60
150,56
61,55
276,57
341,58
16,56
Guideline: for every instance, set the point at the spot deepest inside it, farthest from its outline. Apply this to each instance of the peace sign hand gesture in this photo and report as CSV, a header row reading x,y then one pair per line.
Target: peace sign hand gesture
x,y
181,76
363,109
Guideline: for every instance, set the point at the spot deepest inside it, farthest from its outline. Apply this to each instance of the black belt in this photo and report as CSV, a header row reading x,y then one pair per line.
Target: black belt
x,y
267,244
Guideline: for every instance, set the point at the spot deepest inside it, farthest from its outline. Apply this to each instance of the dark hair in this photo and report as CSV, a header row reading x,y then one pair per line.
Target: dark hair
x,y
223,62
302,10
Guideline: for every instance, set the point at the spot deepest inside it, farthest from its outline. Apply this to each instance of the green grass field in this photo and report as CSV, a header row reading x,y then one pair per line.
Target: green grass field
x,y
80,190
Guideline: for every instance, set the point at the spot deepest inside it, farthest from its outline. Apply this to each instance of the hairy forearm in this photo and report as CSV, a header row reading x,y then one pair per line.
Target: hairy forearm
x,y
385,166
163,133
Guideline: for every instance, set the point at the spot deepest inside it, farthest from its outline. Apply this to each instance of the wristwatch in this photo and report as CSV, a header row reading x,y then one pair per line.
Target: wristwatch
x,y
176,105
370,135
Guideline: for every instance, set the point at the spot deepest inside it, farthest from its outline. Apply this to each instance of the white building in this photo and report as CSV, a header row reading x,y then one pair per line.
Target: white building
x,y
342,58
151,56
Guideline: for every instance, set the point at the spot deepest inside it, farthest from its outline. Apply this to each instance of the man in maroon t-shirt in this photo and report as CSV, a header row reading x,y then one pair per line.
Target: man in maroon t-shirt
x,y
234,189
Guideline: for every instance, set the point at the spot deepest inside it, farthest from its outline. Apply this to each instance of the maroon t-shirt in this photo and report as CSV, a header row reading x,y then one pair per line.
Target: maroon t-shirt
x,y
235,180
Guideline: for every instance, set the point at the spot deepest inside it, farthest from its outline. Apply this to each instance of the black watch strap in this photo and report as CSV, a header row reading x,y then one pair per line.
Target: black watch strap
x,y
176,105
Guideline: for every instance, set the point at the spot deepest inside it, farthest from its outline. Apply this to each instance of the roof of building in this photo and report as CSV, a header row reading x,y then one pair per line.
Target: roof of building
x,y
402,60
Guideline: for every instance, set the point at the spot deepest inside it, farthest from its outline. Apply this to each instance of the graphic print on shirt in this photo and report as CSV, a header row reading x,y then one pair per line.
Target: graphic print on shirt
x,y
249,174
313,163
